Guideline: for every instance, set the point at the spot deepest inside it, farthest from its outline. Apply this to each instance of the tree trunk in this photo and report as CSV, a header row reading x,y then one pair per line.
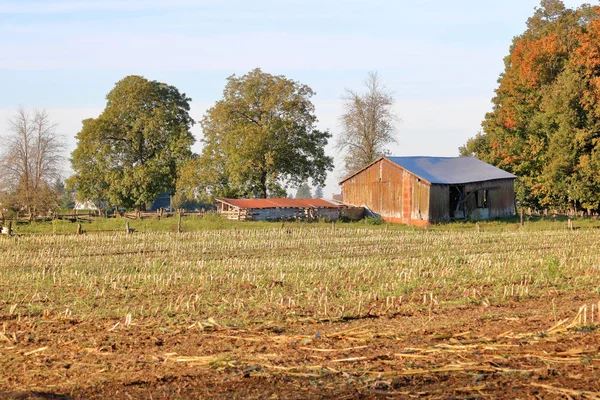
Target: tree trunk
x,y
263,185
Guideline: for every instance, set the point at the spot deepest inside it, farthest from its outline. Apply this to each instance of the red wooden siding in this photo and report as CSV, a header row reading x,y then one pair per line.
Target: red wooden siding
x,y
390,191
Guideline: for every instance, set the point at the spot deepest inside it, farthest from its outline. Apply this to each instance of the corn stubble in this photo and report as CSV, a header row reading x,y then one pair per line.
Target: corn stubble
x,y
241,277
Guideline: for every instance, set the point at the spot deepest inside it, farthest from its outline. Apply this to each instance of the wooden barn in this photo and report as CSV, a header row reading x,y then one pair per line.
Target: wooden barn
x,y
421,190
278,209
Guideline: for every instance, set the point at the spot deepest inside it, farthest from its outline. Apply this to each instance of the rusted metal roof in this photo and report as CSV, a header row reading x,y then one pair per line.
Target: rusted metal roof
x,y
280,203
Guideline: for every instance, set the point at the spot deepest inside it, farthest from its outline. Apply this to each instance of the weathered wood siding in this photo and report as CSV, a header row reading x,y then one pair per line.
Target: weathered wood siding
x,y
420,191
439,203
500,199
378,187
390,191
271,214
400,196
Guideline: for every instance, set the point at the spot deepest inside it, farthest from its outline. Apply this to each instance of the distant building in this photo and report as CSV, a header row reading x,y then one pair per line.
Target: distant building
x,y
162,201
420,190
278,209
84,205
338,197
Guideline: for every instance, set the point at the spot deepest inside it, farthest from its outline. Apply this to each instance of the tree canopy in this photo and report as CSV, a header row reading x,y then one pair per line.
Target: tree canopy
x,y
132,152
260,138
545,119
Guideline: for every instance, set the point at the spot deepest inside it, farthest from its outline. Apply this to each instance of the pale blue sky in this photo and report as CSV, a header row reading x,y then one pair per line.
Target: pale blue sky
x,y
441,59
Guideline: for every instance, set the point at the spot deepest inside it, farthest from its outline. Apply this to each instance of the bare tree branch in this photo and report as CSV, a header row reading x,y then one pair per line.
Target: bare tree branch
x,y
31,159
368,125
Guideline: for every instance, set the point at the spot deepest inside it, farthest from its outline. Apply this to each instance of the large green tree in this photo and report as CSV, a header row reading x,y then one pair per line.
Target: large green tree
x,y
261,138
543,126
132,152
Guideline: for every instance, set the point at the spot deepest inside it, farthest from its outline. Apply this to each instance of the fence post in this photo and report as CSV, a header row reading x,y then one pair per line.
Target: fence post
x,y
179,223
522,220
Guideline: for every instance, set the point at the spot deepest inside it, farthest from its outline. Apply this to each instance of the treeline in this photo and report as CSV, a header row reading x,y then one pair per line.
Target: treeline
x,y
545,122
259,140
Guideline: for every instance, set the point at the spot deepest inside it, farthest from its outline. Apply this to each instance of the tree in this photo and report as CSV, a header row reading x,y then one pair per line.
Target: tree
x,y
261,138
543,125
303,192
132,152
318,192
368,125
65,197
31,160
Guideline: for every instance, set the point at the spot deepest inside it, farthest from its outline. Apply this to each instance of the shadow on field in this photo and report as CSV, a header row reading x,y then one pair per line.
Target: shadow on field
x,y
34,395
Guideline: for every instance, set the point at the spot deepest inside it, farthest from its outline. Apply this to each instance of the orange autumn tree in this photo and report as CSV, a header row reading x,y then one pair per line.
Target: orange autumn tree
x,y
544,115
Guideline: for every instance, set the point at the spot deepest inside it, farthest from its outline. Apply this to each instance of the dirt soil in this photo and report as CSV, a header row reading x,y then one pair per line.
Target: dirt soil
x,y
525,349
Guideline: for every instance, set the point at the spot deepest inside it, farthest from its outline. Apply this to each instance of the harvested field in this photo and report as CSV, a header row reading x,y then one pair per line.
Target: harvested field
x,y
301,312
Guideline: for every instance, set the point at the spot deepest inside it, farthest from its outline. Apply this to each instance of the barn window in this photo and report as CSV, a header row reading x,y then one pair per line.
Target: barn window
x,y
482,198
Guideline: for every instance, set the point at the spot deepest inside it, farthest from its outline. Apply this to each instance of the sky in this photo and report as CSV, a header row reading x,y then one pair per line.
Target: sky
x,y
440,59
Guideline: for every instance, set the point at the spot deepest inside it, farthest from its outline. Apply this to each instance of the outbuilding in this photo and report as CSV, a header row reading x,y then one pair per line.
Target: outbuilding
x,y
278,209
421,190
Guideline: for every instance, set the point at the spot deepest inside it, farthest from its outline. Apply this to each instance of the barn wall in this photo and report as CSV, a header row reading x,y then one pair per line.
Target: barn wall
x,y
379,187
419,201
389,191
500,199
439,203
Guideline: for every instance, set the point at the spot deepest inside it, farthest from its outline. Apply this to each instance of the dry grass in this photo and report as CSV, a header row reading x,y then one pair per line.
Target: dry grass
x,y
241,277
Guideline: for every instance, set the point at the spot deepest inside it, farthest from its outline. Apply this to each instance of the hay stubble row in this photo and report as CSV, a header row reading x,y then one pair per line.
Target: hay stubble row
x,y
232,286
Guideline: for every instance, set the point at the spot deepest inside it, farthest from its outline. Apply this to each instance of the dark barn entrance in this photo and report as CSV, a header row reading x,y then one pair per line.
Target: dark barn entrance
x,y
457,200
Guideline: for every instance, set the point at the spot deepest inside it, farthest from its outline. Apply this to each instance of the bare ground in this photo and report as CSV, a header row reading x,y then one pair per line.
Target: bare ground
x,y
518,350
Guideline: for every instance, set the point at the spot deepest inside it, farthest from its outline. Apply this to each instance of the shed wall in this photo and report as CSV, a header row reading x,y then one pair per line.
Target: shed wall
x,y
283,213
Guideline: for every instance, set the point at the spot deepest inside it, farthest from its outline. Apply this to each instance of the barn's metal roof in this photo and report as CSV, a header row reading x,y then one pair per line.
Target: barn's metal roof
x,y
280,203
451,170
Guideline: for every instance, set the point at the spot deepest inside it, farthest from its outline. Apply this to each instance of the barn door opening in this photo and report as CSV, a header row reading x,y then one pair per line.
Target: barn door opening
x,y
457,201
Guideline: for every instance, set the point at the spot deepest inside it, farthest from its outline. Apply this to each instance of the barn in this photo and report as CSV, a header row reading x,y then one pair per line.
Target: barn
x,y
422,190
278,209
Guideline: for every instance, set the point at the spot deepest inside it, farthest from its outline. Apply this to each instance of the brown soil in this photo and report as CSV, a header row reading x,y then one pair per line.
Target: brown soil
x,y
468,352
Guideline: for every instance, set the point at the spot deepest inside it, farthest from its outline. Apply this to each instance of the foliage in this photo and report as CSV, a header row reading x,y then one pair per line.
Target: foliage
x,y
66,198
304,192
131,153
31,159
368,125
544,124
374,221
318,192
184,200
260,138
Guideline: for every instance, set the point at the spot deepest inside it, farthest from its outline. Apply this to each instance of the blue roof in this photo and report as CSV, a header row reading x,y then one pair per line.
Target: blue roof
x,y
451,170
